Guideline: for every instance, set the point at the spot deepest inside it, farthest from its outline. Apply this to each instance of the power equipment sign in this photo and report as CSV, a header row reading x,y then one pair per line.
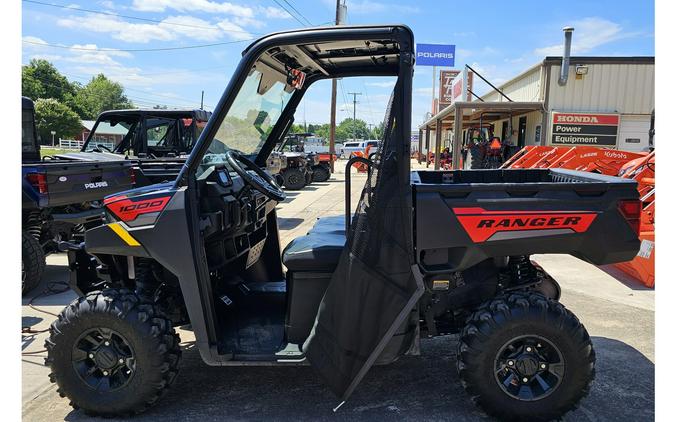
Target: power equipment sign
x,y
593,129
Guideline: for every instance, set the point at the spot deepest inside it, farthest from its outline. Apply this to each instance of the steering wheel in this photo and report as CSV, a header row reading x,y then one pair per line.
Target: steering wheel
x,y
261,181
104,147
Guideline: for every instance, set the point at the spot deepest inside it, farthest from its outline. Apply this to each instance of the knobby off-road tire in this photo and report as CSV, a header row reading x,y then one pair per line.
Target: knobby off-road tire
x,y
522,316
32,262
294,179
136,334
320,174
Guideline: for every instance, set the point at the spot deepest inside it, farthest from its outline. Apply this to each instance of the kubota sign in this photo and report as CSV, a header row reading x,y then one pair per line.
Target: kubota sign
x,y
584,129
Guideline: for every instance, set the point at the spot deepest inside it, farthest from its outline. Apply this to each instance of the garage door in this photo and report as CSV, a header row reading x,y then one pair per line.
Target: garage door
x,y
634,133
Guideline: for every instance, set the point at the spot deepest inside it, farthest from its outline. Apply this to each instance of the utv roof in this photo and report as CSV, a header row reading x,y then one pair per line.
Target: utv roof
x,y
350,50
199,114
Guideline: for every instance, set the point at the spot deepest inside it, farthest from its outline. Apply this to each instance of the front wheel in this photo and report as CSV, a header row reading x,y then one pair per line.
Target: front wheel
x,y
525,357
112,355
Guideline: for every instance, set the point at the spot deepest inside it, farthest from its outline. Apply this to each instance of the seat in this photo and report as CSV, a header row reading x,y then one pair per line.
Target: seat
x,y
334,224
319,250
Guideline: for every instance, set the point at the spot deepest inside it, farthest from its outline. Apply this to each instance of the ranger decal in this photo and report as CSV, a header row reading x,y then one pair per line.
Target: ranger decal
x,y
481,225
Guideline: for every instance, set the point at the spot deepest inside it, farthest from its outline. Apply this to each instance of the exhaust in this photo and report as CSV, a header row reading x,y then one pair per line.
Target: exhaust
x,y
565,66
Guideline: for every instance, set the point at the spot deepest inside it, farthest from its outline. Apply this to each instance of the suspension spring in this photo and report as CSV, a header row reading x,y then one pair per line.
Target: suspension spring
x,y
33,224
522,271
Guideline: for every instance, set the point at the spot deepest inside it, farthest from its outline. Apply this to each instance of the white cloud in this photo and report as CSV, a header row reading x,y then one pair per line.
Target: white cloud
x,y
387,84
192,6
170,28
589,33
275,13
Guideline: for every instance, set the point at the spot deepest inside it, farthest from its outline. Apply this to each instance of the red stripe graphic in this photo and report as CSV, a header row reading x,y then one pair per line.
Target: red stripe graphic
x,y
481,224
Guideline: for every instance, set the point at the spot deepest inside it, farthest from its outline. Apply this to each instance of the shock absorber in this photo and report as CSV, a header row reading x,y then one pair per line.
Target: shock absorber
x,y
522,271
33,224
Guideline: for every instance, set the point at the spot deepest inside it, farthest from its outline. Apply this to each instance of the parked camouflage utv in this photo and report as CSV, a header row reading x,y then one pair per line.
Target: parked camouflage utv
x,y
298,172
426,253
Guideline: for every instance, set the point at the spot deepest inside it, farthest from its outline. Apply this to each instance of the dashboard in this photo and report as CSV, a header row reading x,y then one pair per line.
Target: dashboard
x,y
233,218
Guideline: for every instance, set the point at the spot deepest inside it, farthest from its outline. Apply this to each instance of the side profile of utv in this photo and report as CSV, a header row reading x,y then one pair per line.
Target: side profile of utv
x,y
425,254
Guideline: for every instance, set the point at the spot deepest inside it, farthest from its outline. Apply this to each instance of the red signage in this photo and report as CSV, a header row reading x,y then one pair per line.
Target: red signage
x,y
586,119
596,129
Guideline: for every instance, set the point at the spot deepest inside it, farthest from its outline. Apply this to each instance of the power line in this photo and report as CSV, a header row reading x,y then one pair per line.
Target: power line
x,y
297,11
138,18
289,13
137,50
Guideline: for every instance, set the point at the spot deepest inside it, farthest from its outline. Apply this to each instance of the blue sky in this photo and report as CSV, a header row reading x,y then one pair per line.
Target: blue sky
x,y
499,39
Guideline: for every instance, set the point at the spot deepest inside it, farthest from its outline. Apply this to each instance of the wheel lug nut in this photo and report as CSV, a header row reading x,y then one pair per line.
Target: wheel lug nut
x,y
107,343
105,373
91,356
543,366
529,349
510,363
525,379
538,344
122,361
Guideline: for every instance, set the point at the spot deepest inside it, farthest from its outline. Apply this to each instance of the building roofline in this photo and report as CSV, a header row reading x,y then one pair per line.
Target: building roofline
x,y
601,60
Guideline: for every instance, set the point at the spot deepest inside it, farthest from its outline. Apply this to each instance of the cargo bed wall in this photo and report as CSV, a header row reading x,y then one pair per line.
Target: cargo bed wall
x,y
462,218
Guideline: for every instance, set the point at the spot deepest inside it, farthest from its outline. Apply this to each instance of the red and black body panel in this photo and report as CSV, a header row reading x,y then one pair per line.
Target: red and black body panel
x,y
462,218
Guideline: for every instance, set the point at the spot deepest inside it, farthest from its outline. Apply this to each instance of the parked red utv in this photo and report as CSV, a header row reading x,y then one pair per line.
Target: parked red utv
x,y
204,250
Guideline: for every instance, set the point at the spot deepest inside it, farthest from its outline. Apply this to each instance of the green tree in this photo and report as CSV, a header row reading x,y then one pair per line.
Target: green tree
x,y
99,95
350,128
40,79
51,115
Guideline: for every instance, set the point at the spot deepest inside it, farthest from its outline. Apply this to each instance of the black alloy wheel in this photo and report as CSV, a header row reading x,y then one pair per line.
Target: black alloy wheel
x,y
103,359
529,367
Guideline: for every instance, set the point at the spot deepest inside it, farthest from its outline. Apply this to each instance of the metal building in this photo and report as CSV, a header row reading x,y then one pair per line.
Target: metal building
x,y
604,101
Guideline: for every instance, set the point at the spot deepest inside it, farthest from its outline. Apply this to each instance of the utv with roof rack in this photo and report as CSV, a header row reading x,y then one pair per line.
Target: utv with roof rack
x,y
59,199
157,141
425,254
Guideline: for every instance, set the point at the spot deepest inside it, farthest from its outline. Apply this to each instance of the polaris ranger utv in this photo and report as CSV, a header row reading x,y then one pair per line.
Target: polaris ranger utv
x,y
59,199
158,141
204,250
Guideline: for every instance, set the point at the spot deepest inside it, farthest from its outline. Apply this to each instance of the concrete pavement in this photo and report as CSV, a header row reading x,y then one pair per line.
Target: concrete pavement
x,y
617,312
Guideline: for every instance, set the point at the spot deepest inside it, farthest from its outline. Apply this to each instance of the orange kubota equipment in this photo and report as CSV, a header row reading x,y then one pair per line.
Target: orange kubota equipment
x,y
582,158
642,266
635,165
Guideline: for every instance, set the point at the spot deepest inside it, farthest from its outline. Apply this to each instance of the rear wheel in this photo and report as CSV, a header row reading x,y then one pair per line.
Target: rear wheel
x,y
294,179
523,356
111,355
321,173
32,262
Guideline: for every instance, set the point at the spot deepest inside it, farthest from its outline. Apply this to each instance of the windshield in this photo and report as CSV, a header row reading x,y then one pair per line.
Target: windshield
x,y
109,134
249,120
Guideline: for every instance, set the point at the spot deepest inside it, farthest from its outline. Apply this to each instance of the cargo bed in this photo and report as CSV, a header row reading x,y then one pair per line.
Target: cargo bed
x,y
464,217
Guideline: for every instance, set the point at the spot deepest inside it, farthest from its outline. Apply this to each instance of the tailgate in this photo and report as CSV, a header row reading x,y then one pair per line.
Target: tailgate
x,y
465,219
71,183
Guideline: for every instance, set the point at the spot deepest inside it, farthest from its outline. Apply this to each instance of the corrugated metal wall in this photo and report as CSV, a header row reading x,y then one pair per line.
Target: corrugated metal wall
x,y
526,87
624,88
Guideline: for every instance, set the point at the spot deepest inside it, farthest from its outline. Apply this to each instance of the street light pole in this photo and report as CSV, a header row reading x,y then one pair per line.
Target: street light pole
x,y
355,102
53,132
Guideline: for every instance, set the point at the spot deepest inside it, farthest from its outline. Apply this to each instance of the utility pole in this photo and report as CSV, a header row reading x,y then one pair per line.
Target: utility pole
x,y
340,12
201,107
355,102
